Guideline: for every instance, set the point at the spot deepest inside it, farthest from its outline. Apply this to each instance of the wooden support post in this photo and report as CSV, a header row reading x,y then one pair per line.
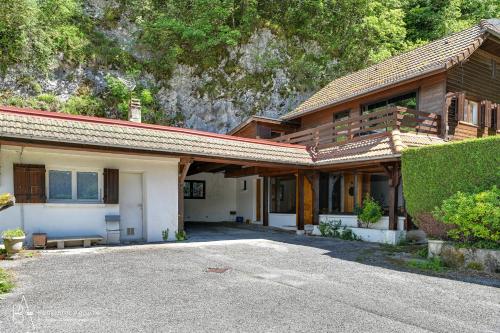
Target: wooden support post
x,y
445,115
393,172
183,170
316,198
460,106
497,117
487,114
265,202
300,200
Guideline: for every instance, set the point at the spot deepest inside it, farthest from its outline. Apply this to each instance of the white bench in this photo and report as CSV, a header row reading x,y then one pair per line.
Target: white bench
x,y
87,240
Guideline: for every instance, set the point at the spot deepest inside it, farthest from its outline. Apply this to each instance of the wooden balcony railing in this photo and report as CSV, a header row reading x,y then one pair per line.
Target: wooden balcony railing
x,y
373,123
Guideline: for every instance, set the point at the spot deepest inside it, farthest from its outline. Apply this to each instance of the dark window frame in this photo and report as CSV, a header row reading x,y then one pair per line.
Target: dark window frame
x,y
190,183
277,193
365,107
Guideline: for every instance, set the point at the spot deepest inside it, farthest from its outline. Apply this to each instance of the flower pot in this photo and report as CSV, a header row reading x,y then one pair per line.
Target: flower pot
x,y
434,246
13,244
39,240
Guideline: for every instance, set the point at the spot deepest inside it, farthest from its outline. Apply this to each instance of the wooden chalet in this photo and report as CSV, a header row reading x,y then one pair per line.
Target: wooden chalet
x,y
356,127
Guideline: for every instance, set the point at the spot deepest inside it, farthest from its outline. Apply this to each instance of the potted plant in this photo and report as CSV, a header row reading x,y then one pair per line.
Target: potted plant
x,y
6,200
13,240
370,212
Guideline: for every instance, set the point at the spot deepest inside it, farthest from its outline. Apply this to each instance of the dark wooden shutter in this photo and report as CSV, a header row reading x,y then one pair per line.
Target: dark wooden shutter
x,y
111,180
29,183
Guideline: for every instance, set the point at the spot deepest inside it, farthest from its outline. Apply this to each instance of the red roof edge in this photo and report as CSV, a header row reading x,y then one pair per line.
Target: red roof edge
x,y
100,120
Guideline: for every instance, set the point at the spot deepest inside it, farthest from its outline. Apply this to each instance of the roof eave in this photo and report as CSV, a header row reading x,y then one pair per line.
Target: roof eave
x,y
438,70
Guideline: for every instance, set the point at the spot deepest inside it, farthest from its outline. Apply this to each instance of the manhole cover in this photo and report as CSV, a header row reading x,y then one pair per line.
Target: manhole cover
x,y
217,269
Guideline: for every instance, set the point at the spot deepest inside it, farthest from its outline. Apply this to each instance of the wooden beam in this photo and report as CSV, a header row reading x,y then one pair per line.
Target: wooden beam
x,y
183,170
265,202
243,172
315,186
498,117
205,167
300,200
394,174
445,114
460,106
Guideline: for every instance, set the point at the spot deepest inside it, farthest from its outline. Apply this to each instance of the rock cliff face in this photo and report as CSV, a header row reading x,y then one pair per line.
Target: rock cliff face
x,y
215,99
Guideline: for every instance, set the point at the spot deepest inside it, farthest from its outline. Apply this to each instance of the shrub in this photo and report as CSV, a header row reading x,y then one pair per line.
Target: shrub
x,y
348,234
434,173
477,266
474,217
333,228
330,228
370,212
180,235
84,105
6,283
10,233
164,235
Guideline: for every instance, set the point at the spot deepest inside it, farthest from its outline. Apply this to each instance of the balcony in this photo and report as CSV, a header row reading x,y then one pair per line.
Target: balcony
x,y
376,123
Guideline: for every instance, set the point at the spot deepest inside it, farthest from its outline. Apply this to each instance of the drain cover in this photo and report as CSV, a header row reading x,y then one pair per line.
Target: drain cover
x,y
217,269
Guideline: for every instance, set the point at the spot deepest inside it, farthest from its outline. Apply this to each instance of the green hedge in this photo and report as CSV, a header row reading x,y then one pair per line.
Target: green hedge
x,y
434,173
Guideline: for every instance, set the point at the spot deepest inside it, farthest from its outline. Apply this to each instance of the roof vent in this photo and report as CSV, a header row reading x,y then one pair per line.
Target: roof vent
x,y
134,110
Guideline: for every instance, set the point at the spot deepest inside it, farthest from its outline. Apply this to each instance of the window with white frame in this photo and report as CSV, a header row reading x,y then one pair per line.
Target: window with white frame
x,y
74,185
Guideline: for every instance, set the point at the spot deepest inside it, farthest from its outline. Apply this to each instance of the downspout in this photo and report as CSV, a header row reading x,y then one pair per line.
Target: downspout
x,y
22,205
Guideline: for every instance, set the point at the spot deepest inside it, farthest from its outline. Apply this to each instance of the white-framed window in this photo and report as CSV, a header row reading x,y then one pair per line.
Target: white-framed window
x,y
472,112
74,185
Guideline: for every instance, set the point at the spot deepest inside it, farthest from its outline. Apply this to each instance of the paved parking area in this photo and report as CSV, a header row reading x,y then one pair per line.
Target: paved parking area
x,y
274,282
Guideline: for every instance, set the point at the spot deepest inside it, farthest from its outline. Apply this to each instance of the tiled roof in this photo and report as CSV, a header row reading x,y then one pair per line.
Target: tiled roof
x,y
61,128
43,126
261,119
433,57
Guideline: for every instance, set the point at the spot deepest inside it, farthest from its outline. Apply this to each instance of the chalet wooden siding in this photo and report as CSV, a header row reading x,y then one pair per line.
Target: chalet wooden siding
x,y
429,87
476,78
431,97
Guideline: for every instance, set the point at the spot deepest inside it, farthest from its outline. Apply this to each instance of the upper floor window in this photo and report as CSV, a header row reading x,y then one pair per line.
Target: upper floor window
x,y
407,100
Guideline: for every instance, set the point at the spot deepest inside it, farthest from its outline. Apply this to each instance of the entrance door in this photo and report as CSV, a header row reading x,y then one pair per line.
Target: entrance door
x,y
131,206
308,201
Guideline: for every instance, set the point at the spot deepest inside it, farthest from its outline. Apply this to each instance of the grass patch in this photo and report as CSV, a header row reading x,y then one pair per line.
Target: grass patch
x,y
6,283
423,252
476,266
364,255
434,264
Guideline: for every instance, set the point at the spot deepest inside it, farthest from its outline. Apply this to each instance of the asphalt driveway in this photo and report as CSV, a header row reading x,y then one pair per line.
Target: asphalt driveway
x,y
263,282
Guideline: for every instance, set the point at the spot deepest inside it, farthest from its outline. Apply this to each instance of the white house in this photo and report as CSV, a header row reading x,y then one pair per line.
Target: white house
x,y
75,175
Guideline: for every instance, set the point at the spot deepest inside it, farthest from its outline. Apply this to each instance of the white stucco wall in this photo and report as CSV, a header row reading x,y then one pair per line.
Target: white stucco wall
x,y
352,221
282,220
159,177
220,199
246,200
